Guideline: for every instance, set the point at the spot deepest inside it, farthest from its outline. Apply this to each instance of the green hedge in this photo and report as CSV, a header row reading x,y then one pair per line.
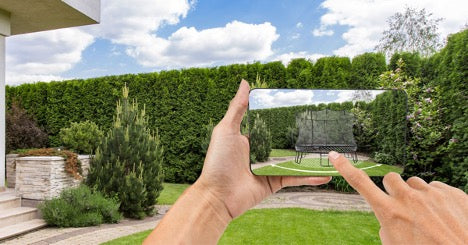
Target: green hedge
x,y
278,120
180,102
449,80
388,116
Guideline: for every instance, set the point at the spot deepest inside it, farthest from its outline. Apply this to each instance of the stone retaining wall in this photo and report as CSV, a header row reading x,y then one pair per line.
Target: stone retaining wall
x,y
10,170
42,177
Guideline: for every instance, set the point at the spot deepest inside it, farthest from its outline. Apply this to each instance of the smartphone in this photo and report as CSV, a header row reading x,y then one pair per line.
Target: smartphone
x,y
291,131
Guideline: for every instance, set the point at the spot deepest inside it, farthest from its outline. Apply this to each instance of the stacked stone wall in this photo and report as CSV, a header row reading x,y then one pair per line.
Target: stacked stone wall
x,y
42,177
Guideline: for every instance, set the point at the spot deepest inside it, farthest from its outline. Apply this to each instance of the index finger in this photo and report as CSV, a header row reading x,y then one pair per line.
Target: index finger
x,y
358,179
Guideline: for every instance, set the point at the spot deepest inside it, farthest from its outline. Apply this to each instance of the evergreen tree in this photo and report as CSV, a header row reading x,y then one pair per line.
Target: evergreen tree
x,y
260,140
128,161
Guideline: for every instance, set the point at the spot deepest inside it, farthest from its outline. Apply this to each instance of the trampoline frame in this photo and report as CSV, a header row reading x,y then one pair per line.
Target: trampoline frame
x,y
349,150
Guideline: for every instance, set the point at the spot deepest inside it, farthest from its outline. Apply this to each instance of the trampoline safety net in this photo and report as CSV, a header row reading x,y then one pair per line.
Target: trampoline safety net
x,y
324,131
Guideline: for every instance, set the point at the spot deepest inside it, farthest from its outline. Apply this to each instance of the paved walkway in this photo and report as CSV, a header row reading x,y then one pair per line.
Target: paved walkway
x,y
95,235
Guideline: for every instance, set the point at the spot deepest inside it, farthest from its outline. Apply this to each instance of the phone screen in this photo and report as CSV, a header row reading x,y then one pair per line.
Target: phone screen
x,y
291,131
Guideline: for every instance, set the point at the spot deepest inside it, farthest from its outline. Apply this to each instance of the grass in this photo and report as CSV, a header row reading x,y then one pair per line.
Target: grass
x,y
292,226
282,153
313,165
171,192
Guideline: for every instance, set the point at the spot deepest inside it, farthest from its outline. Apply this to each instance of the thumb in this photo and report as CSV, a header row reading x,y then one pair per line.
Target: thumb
x,y
279,182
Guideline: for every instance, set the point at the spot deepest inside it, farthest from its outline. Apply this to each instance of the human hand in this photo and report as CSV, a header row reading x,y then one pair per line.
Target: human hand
x,y
411,212
226,174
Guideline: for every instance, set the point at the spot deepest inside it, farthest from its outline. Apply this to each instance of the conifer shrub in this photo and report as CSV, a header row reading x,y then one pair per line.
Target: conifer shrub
x,y
22,131
77,207
127,163
81,137
260,140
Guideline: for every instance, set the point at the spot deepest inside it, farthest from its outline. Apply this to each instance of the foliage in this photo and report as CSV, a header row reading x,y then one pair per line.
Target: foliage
x,y
451,89
332,72
259,83
426,131
282,121
22,130
412,31
82,137
260,140
128,161
388,114
299,73
177,103
384,158
413,63
363,130
365,70
79,207
72,164
338,183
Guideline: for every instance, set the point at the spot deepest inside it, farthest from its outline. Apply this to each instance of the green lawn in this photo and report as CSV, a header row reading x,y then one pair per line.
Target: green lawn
x,y
312,167
292,226
282,153
171,192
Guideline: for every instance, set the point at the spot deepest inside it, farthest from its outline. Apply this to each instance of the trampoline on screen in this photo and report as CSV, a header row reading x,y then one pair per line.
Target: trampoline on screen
x,y
367,126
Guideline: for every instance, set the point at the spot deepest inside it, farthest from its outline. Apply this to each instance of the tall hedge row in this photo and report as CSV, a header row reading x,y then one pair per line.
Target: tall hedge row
x,y
280,120
449,77
388,115
180,102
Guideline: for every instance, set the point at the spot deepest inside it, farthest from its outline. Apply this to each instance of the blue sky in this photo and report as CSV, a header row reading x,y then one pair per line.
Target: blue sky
x,y
152,35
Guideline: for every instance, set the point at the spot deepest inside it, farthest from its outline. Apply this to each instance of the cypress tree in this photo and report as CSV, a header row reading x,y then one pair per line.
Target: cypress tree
x,y
260,140
127,164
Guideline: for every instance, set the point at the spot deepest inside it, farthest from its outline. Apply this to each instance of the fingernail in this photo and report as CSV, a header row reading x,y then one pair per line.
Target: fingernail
x,y
333,155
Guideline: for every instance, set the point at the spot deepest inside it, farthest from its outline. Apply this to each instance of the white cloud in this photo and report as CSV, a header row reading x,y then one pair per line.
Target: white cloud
x,y
135,26
272,98
367,19
133,23
322,31
235,42
43,56
299,25
287,57
296,36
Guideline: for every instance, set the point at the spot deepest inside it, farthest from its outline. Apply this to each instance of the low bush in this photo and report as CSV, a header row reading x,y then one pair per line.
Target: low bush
x,y
80,207
22,130
82,137
384,158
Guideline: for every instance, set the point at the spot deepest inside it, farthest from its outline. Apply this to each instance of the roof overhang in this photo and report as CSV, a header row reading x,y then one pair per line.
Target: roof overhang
x,y
40,15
